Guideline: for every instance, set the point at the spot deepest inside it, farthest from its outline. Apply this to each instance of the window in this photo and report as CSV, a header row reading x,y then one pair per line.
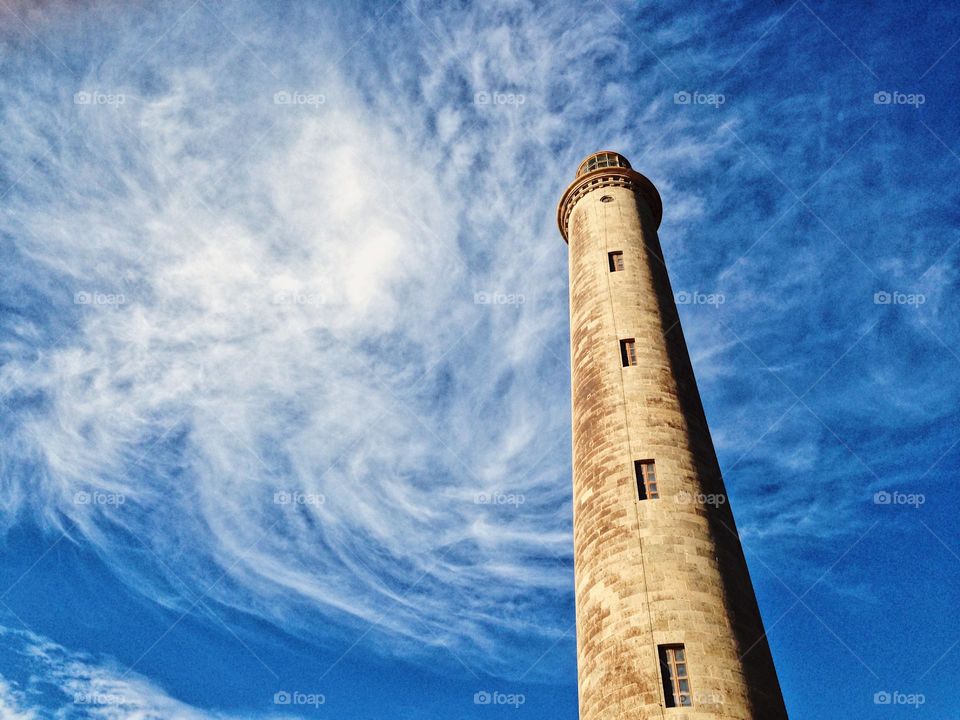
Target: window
x,y
616,261
628,352
601,160
606,198
646,480
676,681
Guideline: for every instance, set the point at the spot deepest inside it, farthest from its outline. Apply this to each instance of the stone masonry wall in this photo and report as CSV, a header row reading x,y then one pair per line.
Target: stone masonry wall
x,y
656,571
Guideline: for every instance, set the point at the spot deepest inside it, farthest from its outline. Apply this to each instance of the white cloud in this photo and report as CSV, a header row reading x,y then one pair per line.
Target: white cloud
x,y
298,315
12,703
60,683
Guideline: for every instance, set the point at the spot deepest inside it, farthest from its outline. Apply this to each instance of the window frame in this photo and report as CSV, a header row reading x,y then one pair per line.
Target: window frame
x,y
615,260
674,670
601,161
645,475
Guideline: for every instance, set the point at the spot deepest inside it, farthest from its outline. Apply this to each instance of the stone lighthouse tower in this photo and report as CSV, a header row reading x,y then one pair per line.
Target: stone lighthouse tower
x,y
667,621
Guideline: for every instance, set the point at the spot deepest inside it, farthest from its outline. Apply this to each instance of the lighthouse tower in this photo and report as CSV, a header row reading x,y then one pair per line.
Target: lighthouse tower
x,y
667,621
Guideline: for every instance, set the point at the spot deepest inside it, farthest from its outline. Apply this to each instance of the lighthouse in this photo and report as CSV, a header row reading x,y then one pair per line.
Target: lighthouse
x,y
667,621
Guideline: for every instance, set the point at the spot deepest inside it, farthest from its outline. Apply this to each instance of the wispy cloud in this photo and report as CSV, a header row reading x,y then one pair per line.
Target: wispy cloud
x,y
62,683
306,343
284,306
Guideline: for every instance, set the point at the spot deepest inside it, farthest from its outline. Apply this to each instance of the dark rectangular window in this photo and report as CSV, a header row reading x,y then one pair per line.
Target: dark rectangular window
x,y
628,352
646,480
676,680
616,261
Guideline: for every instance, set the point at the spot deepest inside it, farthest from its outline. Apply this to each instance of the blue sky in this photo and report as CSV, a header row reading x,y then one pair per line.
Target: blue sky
x,y
284,376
